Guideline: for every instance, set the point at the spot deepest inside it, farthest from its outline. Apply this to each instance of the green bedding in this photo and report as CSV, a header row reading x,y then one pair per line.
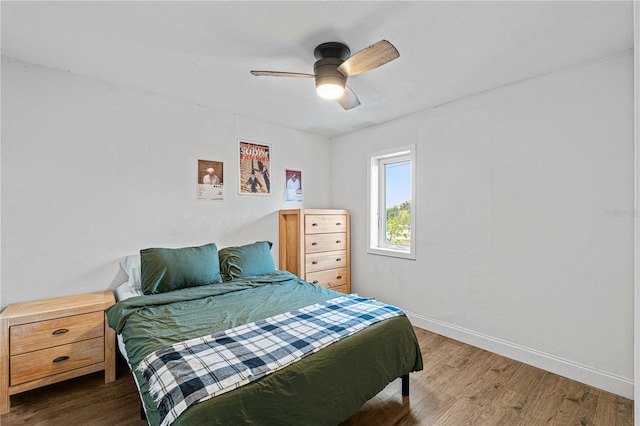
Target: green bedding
x,y
324,388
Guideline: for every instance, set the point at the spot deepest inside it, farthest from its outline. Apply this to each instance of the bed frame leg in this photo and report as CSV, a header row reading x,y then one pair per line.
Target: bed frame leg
x,y
405,385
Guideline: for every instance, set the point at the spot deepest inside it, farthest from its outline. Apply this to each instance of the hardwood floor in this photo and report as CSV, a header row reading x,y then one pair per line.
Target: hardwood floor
x,y
460,385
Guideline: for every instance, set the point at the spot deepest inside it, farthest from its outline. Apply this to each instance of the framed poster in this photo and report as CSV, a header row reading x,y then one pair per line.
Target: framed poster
x,y
210,182
293,186
255,168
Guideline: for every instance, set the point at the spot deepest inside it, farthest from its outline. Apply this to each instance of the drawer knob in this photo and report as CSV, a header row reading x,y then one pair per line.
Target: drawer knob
x,y
338,242
338,259
338,224
314,224
61,358
314,243
315,282
315,262
60,331
338,277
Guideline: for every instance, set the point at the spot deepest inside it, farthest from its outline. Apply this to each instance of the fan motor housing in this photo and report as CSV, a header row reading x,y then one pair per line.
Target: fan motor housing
x,y
326,72
332,49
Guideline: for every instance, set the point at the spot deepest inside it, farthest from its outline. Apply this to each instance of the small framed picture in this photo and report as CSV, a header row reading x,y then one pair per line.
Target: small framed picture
x,y
255,168
210,181
293,186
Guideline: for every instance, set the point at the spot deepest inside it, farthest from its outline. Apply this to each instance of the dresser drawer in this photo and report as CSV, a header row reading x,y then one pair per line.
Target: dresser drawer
x,y
329,279
340,288
315,243
46,362
55,332
326,260
322,224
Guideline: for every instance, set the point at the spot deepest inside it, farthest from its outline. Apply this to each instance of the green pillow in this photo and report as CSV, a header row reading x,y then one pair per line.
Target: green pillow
x,y
246,261
165,269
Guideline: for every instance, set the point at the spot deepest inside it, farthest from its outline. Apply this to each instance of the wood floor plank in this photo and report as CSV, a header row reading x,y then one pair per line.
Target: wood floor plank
x,y
516,392
624,411
462,412
507,409
467,371
490,384
579,404
605,410
427,400
613,410
525,378
460,385
546,399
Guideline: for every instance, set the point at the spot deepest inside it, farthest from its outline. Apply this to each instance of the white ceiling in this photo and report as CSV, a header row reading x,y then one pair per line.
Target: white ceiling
x,y
202,52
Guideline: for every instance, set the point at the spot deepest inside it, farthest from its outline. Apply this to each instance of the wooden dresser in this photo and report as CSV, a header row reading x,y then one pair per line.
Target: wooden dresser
x,y
315,244
51,340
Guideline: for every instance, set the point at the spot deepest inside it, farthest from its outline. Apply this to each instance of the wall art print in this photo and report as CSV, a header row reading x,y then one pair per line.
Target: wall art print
x,y
255,168
293,186
210,185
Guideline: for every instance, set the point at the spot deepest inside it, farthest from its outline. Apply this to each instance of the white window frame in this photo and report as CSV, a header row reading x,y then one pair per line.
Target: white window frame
x,y
376,241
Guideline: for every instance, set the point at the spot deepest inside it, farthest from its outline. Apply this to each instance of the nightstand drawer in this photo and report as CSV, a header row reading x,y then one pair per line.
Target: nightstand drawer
x,y
46,362
55,332
325,242
327,260
319,224
331,278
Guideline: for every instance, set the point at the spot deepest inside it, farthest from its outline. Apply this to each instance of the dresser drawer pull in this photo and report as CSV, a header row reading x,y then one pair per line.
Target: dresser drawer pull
x,y
314,224
338,224
315,262
338,242
314,243
61,358
338,277
338,259
315,282
60,331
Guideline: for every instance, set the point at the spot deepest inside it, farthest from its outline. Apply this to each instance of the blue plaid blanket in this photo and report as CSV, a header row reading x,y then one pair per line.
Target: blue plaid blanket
x,y
195,370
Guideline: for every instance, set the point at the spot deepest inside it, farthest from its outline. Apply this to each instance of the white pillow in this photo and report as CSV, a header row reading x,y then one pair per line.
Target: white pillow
x,y
125,291
131,266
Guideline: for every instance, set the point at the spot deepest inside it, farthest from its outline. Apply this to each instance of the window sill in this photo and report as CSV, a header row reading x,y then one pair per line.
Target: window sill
x,y
392,253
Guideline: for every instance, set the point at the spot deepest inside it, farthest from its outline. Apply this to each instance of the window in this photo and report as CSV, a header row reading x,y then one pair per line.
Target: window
x,y
392,207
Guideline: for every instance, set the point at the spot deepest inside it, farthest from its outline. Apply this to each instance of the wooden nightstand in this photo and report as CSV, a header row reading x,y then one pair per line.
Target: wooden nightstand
x,y
51,340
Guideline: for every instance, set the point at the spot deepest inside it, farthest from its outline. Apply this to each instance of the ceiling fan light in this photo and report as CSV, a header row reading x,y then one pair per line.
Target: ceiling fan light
x,y
330,90
329,81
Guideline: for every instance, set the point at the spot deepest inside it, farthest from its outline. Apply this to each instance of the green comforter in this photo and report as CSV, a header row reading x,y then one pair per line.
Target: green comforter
x,y
321,389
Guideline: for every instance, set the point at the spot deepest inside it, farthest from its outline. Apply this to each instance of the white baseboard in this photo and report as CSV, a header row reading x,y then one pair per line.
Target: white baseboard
x,y
563,367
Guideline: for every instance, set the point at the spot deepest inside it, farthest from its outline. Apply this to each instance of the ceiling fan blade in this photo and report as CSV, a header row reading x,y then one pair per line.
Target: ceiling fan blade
x,y
348,99
281,74
369,58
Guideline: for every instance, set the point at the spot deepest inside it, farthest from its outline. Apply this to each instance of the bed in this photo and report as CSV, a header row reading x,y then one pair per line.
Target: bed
x,y
324,387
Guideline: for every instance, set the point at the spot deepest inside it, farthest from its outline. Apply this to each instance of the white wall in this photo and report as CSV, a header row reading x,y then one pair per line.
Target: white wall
x,y
524,223
93,172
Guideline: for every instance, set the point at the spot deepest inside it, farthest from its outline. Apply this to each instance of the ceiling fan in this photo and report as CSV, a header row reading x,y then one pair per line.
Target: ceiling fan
x,y
335,64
